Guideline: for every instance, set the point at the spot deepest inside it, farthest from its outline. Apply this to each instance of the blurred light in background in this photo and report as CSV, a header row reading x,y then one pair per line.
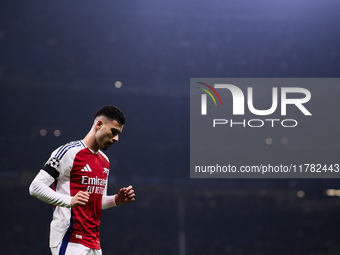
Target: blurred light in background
x,y
300,194
43,132
333,192
284,141
269,141
57,132
118,84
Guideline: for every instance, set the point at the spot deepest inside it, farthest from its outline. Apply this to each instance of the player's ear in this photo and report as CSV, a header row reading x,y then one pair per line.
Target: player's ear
x,y
99,124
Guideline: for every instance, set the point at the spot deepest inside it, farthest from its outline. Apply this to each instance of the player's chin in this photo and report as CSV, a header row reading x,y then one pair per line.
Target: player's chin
x,y
106,146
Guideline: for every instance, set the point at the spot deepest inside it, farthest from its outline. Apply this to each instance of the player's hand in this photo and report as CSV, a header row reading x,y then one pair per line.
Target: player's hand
x,y
125,195
80,199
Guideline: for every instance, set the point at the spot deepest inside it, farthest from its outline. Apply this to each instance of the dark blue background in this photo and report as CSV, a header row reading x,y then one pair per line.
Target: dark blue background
x,y
59,62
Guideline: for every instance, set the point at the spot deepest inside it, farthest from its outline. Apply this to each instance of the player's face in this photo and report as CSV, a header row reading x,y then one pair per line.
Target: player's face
x,y
107,133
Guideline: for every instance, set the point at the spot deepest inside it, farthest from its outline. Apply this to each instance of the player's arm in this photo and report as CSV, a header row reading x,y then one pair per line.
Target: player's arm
x,y
124,196
40,188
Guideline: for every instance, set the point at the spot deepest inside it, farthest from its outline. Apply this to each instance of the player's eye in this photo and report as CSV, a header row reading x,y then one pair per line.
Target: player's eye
x,y
114,132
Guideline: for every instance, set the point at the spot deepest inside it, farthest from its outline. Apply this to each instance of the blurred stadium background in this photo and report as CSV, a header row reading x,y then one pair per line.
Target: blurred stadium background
x,y
61,61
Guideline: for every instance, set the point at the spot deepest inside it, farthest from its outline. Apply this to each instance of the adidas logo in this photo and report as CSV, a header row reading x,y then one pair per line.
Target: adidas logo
x,y
87,168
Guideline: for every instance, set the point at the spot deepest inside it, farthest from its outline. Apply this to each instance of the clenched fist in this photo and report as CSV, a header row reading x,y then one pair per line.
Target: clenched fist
x,y
80,199
125,195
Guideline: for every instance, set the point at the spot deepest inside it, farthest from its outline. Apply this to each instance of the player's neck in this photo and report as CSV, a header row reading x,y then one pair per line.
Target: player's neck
x,y
90,142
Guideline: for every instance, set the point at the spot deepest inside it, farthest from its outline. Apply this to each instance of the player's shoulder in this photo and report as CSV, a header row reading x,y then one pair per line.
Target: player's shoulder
x,y
103,154
62,150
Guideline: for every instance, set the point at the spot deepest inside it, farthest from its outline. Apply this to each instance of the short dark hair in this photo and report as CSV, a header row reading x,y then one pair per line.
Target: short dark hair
x,y
112,112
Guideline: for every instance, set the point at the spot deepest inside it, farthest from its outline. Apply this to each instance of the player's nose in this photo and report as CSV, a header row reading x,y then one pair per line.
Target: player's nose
x,y
115,138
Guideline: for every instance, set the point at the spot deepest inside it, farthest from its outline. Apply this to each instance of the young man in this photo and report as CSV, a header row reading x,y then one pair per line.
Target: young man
x,y
79,171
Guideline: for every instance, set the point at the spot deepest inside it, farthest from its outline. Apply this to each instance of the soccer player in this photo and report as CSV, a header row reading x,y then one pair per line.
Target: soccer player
x,y
79,171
